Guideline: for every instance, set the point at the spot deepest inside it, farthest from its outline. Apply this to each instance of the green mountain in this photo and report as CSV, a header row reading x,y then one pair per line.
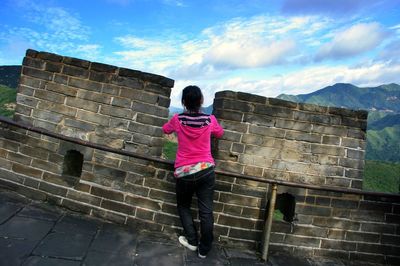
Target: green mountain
x,y
7,101
383,104
9,76
381,98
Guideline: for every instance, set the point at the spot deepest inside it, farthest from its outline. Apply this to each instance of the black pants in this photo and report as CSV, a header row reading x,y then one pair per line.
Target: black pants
x,y
201,183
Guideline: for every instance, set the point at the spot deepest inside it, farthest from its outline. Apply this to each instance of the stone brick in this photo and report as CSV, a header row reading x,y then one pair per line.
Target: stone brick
x,y
145,129
84,197
53,189
158,89
76,62
163,218
94,118
313,210
233,105
330,130
315,118
337,254
47,116
229,115
107,194
49,57
118,207
233,126
117,112
61,79
75,71
150,109
362,237
328,150
250,97
50,96
369,258
108,171
57,108
31,53
163,101
100,76
143,202
127,82
280,102
336,223
108,215
36,73
308,137
26,170
30,82
162,195
236,221
336,234
152,120
344,203
231,136
253,170
33,62
144,214
111,89
121,102
294,125
46,166
391,240
85,84
351,163
273,111
267,131
259,120
24,110
378,228
79,124
103,67
245,234
355,154
62,89
302,241
93,96
230,167
312,108
330,140
375,206
239,200
53,67
392,218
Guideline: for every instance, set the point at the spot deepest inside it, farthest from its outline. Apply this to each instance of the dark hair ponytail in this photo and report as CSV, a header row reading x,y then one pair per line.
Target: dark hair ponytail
x,y
192,98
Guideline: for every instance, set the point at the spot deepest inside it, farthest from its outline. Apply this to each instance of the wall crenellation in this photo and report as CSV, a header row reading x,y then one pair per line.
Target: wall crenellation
x,y
264,137
93,101
298,142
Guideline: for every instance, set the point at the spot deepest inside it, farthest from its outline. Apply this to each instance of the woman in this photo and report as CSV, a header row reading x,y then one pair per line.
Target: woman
x,y
194,168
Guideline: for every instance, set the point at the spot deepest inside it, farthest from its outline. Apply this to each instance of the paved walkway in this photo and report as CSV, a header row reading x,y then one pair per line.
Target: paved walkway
x,y
36,233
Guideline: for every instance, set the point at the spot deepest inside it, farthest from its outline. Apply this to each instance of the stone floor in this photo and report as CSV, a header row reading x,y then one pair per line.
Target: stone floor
x,y
36,233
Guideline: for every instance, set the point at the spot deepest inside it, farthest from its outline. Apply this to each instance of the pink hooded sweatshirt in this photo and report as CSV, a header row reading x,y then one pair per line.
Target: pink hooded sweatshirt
x,y
194,144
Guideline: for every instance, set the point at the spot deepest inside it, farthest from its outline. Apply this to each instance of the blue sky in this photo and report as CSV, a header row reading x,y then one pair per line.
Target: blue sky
x,y
261,47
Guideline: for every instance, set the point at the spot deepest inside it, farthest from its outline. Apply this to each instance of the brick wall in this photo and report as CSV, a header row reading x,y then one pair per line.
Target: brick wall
x,y
92,101
303,143
264,137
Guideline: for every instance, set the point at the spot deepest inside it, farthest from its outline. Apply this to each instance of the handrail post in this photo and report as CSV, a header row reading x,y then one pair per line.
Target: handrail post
x,y
268,222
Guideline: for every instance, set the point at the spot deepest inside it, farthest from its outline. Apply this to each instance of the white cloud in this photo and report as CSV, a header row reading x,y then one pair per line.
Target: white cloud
x,y
296,82
355,40
48,28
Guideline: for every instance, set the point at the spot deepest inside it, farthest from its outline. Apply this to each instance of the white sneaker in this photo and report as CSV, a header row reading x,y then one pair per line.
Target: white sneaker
x,y
201,256
185,243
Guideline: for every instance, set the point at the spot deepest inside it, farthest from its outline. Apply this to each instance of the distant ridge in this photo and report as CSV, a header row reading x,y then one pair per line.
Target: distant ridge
x,y
381,98
9,76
